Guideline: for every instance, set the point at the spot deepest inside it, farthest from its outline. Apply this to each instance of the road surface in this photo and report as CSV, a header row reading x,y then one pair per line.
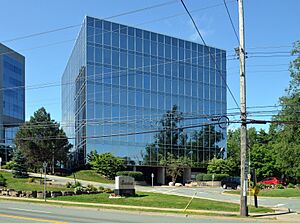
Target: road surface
x,y
28,212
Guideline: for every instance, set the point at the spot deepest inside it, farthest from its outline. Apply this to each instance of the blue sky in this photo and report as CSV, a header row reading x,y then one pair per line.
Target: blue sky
x,y
270,27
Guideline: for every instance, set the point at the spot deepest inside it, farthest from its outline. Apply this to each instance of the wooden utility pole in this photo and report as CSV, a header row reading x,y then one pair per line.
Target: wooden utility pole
x,y
244,180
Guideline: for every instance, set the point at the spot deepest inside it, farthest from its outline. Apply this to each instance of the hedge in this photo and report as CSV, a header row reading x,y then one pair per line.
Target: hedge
x,y
137,175
209,177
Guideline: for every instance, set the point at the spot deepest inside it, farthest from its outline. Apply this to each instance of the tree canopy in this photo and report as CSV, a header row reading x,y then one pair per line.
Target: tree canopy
x,y
42,140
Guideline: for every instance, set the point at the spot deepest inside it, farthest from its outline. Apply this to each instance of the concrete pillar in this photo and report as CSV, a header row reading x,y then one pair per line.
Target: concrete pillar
x,y
161,175
186,174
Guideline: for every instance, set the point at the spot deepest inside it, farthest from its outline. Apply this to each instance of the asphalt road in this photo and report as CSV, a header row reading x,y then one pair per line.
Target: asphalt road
x,y
28,212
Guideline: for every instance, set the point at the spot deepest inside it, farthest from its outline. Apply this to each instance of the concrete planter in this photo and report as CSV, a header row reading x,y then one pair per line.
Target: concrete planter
x,y
209,183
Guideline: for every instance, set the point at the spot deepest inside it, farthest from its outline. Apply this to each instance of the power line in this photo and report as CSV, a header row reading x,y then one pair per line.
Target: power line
x,y
76,25
234,30
199,33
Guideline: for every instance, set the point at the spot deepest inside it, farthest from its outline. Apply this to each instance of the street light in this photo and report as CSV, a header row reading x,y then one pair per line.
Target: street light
x,y
45,180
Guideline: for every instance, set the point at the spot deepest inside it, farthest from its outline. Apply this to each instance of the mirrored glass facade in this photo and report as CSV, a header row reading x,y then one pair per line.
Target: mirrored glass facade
x,y
120,81
12,108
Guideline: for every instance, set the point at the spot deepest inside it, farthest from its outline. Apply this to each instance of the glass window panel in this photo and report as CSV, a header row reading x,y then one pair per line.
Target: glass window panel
x,y
116,77
174,86
167,51
131,98
161,101
107,56
90,34
107,38
98,55
147,81
168,85
98,36
187,72
153,48
123,97
115,39
123,41
194,89
146,46
153,65
123,59
146,100
139,45
206,75
139,99
160,49
146,63
139,80
174,53
130,31
123,29
153,82
115,58
153,100
130,61
161,84
131,43
139,61
90,53
107,75
188,88
131,79
107,25
181,87
123,78
115,95
107,94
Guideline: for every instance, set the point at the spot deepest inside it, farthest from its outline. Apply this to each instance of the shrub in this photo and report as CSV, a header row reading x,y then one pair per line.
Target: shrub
x,y
2,181
77,184
100,188
91,187
68,185
199,177
9,165
76,189
290,185
209,177
137,175
219,177
31,180
279,186
108,191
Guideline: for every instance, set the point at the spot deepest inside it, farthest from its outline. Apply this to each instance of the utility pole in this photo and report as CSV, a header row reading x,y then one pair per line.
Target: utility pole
x,y
244,180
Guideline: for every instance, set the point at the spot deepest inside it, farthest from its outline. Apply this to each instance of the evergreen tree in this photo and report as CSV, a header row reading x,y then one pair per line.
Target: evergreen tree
x,y
19,169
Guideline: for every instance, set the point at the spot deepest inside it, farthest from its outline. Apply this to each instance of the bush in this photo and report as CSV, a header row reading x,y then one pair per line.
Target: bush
x,y
137,175
9,165
100,188
279,186
209,177
77,184
290,185
108,191
68,185
2,181
91,187
31,180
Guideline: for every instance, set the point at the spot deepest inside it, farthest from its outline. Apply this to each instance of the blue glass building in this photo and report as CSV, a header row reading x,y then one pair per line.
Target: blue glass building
x,y
12,95
121,80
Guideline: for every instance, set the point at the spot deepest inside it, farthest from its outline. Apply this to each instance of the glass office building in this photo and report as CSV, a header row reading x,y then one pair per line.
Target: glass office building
x,y
119,83
12,95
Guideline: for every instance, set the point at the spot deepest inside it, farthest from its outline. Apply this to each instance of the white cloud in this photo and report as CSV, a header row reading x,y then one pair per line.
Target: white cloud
x,y
204,25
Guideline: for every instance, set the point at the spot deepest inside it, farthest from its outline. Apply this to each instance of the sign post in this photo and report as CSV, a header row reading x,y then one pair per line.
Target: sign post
x,y
0,162
45,180
152,177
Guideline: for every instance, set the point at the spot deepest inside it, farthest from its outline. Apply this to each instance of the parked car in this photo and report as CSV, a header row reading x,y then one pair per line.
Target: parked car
x,y
271,181
232,182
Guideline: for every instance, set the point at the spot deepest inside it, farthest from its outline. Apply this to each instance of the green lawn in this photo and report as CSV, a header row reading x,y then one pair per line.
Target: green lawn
x,y
160,201
24,185
287,192
90,175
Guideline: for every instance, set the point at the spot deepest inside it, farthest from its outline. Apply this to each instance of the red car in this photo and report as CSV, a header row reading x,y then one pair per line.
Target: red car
x,y
271,181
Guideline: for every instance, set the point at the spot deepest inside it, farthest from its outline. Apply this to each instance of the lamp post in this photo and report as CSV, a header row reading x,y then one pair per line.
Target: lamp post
x,y
45,180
